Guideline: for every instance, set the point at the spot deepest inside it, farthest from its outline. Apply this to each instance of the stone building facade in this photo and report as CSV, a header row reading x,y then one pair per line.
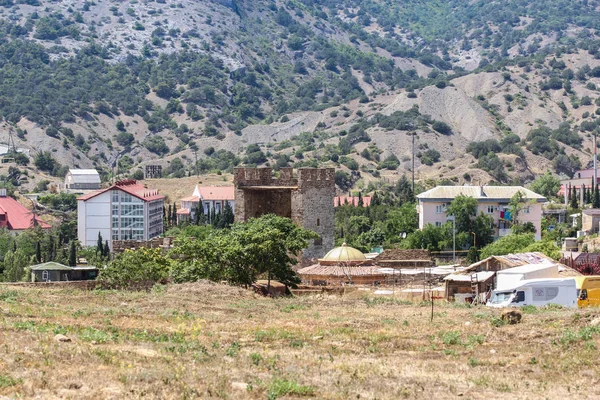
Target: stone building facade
x,y
306,197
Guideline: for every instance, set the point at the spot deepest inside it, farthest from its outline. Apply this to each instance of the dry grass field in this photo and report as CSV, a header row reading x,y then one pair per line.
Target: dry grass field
x,y
210,341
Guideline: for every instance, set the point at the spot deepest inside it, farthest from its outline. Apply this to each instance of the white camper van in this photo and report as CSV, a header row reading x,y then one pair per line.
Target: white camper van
x,y
536,292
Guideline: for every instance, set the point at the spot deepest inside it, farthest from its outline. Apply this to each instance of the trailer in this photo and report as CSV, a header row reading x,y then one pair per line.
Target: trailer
x,y
510,278
536,292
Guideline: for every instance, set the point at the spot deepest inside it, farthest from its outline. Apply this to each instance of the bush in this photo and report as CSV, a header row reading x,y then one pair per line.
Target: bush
x,y
135,269
156,144
442,127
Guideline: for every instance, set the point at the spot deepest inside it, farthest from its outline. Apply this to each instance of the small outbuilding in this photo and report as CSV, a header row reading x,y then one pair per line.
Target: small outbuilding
x,y
57,272
82,179
343,265
50,272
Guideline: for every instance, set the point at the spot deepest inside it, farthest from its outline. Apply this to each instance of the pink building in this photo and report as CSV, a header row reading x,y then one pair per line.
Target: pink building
x,y
351,200
210,197
492,200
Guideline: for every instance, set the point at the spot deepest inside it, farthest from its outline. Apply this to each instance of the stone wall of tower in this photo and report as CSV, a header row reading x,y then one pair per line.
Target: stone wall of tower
x,y
307,199
314,207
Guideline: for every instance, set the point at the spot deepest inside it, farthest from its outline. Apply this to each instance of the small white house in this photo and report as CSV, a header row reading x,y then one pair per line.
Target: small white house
x,y
82,179
126,210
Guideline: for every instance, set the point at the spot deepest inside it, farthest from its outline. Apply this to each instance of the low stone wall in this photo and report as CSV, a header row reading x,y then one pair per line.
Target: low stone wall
x,y
119,246
83,285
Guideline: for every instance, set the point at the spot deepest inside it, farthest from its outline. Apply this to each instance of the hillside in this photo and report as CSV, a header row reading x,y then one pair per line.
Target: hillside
x,y
202,340
492,90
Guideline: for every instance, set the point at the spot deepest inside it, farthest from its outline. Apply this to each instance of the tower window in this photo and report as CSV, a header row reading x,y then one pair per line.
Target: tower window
x,y
318,222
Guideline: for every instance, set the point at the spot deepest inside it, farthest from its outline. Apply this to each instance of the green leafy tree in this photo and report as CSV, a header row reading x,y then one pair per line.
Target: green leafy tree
x,y
135,269
547,185
508,244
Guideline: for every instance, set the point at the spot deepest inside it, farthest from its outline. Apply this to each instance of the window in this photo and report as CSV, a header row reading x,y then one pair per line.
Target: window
x,y
490,209
318,241
440,209
520,297
318,222
438,224
526,210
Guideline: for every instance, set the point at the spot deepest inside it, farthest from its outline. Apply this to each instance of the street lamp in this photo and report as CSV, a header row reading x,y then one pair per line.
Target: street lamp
x,y
453,219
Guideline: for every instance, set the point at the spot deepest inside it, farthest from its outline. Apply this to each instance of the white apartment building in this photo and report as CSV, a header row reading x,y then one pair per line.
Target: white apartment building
x,y
126,210
491,200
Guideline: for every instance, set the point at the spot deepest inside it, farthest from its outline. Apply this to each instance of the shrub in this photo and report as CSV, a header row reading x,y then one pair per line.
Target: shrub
x,y
135,269
442,127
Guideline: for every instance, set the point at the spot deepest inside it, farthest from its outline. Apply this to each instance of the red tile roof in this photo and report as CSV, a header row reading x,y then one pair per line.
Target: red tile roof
x,y
14,216
353,200
183,211
128,186
216,192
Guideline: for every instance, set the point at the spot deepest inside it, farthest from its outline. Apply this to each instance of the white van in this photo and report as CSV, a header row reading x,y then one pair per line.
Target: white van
x,y
537,292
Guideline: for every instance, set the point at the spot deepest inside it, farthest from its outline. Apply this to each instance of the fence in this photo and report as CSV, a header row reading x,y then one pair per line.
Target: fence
x,y
586,264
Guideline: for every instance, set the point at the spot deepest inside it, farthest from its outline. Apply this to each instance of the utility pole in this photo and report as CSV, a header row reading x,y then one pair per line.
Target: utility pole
x,y
413,162
595,166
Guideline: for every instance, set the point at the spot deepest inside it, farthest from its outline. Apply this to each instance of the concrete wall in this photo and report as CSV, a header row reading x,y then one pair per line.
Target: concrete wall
x,y
93,216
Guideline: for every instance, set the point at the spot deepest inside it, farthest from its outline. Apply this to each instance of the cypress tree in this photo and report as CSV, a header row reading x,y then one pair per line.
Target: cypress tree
x,y
212,216
198,214
73,254
106,252
50,249
596,202
174,217
169,216
99,244
573,197
584,195
227,216
360,200
38,252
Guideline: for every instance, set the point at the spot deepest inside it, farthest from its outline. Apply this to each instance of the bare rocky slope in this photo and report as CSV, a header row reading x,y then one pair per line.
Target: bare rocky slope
x,y
242,39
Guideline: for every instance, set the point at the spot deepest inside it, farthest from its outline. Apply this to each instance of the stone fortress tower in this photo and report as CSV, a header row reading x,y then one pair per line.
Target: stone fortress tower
x,y
306,198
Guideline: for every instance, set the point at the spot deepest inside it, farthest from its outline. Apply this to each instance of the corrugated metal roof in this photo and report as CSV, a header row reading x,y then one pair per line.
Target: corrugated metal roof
x,y
50,266
515,260
479,277
523,269
17,216
84,176
479,192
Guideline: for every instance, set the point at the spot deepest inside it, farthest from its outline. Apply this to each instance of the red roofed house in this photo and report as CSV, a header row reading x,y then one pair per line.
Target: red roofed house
x,y
15,217
351,200
211,197
126,210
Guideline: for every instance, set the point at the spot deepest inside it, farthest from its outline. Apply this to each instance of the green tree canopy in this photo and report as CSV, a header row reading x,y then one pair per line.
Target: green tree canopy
x,y
547,185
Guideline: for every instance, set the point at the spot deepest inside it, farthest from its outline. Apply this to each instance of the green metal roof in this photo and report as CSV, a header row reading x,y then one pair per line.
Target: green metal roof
x,y
50,266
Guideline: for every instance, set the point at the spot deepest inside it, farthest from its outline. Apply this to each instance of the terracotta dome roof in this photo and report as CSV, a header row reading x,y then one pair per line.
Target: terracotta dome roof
x,y
344,253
